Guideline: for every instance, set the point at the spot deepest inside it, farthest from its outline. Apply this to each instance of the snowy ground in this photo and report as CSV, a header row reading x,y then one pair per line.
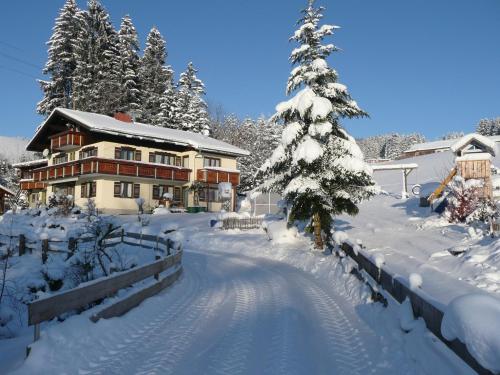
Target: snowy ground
x,y
244,305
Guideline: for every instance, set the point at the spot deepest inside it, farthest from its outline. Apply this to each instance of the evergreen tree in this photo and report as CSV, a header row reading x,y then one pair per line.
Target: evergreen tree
x,y
155,78
130,100
97,75
192,108
317,167
61,62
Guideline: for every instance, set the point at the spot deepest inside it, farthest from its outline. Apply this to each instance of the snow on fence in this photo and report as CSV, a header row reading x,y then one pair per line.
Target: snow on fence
x,y
80,297
431,315
242,223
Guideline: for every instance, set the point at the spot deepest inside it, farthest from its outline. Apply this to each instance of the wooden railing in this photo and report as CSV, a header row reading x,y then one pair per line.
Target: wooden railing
x,y
421,307
66,140
214,176
104,166
81,296
242,223
32,185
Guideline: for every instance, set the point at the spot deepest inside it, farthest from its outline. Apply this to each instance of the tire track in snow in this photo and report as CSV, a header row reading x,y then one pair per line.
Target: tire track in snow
x,y
230,356
344,342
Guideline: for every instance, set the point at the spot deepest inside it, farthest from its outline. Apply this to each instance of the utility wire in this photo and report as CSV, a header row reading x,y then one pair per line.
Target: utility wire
x,y
6,55
18,72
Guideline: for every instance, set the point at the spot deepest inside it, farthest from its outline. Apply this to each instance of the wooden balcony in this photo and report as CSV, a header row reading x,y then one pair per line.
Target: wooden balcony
x,y
67,141
32,185
214,176
115,167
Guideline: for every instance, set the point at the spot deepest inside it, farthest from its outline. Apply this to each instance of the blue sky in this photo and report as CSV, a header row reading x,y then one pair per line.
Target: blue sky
x,y
428,66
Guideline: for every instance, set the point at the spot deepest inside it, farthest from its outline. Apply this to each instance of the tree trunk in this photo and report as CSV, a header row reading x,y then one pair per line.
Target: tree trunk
x,y
318,240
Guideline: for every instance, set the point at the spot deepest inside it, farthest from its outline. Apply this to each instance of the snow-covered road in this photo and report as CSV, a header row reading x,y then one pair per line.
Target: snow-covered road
x,y
229,314
238,310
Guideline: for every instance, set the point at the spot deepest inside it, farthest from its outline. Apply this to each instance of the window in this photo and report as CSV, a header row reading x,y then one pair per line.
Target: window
x,y
88,152
63,190
127,153
211,162
213,195
164,158
89,190
160,190
61,158
127,190
185,161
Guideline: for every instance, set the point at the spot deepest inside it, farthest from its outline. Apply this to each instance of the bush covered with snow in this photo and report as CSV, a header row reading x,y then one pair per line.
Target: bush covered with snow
x,y
280,232
463,199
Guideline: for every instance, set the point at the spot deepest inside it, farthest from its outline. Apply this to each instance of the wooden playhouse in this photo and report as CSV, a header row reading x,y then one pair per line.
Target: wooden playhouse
x,y
473,155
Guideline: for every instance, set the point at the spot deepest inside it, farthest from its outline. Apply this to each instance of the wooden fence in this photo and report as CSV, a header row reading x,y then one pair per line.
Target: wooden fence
x,y
242,223
80,297
431,315
46,246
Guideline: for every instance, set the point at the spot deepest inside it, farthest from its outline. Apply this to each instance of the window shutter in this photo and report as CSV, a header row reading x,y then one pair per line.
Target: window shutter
x,y
177,161
137,190
93,190
151,157
80,155
82,192
138,155
117,189
117,152
156,192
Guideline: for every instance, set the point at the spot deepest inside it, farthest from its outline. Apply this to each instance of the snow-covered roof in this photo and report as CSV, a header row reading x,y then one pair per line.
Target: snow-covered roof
x,y
30,163
7,190
387,167
467,139
474,156
434,145
108,125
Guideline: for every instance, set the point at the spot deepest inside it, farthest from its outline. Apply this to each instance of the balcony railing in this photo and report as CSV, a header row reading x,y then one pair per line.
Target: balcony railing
x,y
110,167
32,185
214,176
66,141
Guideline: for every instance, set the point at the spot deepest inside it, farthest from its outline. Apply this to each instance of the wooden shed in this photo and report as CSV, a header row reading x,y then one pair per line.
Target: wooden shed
x,y
474,153
4,192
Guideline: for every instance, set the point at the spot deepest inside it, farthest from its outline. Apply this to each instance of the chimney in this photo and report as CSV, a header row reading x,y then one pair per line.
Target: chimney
x,y
122,116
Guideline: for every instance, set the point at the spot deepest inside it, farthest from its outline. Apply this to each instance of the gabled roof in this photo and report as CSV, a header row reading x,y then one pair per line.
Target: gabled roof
x,y
7,190
98,123
489,144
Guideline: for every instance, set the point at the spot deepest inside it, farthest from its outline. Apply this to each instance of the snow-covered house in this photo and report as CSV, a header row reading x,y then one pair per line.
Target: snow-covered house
x,y
437,146
35,190
4,192
115,160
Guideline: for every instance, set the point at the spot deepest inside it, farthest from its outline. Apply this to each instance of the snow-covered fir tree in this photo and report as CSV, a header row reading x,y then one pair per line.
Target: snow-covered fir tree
x,y
489,127
452,135
317,167
61,62
96,82
192,108
397,144
130,100
155,78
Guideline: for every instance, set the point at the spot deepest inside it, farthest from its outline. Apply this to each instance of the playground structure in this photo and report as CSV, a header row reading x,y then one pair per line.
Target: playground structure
x,y
473,161
406,169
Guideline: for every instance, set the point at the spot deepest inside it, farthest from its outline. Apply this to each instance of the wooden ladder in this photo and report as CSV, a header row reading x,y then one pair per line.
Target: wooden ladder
x,y
437,193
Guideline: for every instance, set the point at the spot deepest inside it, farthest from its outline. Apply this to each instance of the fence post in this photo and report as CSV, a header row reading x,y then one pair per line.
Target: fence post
x,y
22,244
45,250
168,246
71,246
157,257
123,234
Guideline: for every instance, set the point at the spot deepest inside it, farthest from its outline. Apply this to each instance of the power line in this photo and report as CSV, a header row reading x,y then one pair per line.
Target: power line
x,y
11,46
6,55
18,72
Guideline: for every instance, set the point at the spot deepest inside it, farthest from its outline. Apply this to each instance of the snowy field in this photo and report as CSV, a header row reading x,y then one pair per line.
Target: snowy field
x,y
244,305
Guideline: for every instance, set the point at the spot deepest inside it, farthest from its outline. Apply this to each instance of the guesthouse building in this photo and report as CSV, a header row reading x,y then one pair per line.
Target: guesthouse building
x,y
115,161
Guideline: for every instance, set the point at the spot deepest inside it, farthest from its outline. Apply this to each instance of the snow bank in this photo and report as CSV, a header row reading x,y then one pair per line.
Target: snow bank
x,y
474,319
278,232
